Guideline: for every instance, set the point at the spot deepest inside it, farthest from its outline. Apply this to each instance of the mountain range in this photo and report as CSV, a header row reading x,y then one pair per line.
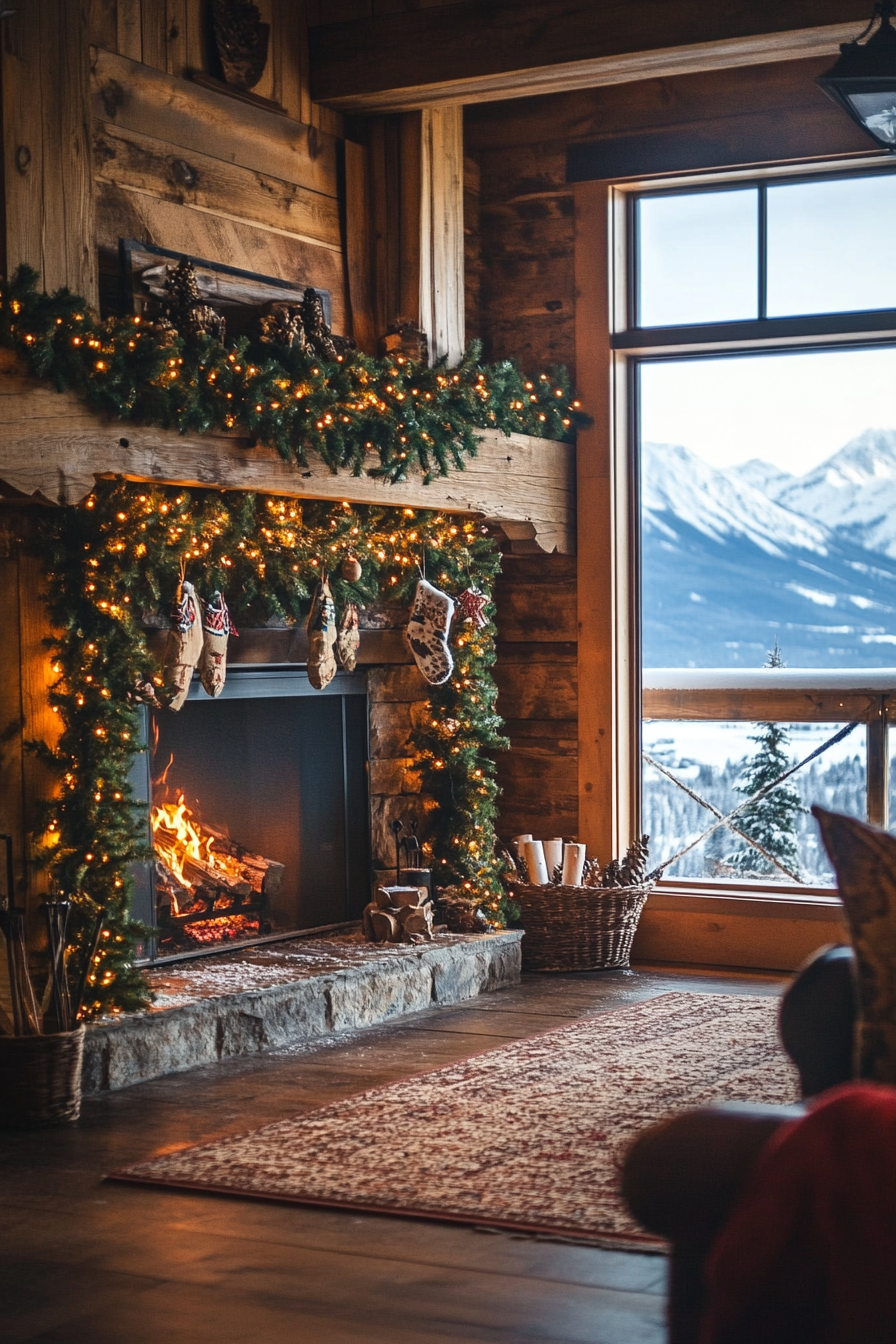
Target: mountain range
x,y
733,559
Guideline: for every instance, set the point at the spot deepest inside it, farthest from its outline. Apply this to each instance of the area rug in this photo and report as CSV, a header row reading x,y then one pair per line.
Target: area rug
x,y
528,1136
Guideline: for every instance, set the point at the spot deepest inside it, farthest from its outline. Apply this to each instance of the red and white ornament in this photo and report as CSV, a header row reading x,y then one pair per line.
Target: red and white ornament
x,y
472,605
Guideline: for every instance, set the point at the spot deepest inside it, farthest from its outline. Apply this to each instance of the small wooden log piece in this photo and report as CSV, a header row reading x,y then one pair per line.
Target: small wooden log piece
x,y
417,922
393,898
366,925
386,928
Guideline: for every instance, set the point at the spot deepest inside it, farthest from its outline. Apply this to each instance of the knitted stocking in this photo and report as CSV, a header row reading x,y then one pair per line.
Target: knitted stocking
x,y
184,647
427,633
348,639
321,627
217,625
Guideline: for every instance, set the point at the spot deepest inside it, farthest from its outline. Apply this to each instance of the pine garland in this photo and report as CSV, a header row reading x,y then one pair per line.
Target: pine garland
x,y
118,554
346,411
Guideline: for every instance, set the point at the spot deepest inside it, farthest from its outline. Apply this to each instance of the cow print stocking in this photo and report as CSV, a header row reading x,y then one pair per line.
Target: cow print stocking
x,y
427,633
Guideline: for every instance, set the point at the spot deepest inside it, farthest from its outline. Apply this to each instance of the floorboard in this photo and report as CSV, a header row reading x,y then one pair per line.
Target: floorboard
x,y
111,1264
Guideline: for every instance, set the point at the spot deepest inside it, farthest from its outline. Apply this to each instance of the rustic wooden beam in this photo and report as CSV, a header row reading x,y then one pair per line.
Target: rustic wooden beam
x,y
472,53
54,447
442,233
757,706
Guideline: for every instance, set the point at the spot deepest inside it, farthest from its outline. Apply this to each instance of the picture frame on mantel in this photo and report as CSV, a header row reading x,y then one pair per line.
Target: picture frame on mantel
x,y
241,297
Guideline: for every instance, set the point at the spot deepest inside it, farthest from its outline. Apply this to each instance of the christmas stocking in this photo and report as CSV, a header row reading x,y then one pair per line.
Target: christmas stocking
x,y
184,642
216,627
321,629
427,633
347,638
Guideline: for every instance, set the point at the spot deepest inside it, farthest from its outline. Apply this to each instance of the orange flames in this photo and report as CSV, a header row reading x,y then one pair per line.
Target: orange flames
x,y
178,836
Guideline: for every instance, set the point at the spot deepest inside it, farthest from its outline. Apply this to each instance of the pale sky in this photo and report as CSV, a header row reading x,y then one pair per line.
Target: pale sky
x,y
791,410
699,263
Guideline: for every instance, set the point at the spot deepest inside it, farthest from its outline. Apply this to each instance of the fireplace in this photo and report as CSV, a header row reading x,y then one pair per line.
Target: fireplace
x,y
259,811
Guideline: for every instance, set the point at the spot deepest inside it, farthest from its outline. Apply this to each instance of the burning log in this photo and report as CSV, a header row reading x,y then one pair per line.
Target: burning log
x,y
204,875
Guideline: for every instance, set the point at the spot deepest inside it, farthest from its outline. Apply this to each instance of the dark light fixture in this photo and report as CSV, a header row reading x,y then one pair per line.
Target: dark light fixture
x,y
863,80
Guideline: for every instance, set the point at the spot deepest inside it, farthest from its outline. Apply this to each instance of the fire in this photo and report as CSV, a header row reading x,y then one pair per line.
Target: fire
x,y
178,837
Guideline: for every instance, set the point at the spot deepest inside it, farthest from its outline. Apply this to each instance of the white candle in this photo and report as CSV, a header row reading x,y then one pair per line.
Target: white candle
x,y
533,851
573,865
553,854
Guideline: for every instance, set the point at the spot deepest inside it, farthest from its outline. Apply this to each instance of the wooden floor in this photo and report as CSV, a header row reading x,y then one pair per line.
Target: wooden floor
x,y
90,1263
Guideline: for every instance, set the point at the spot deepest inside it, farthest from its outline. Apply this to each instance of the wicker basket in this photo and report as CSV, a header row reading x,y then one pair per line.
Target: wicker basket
x,y
578,928
40,1078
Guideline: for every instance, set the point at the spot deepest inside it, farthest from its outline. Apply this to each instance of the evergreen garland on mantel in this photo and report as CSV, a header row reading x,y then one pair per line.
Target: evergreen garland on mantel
x,y
118,554
408,417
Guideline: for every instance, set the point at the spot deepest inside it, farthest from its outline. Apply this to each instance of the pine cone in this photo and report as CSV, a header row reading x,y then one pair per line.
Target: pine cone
x,y
283,326
314,322
202,320
181,286
613,874
186,312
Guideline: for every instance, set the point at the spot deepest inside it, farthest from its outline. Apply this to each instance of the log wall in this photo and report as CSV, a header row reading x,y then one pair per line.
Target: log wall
x,y
538,695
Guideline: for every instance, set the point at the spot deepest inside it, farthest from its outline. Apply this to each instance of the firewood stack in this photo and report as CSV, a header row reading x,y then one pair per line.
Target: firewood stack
x,y
398,915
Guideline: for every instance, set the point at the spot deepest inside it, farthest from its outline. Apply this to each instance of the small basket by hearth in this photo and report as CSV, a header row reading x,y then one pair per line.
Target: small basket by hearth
x,y
578,928
589,926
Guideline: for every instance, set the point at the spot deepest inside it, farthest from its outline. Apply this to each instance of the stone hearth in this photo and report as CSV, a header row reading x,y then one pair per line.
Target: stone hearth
x,y
241,1003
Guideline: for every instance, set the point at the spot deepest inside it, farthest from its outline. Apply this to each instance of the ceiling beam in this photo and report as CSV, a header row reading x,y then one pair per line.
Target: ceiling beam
x,y
473,53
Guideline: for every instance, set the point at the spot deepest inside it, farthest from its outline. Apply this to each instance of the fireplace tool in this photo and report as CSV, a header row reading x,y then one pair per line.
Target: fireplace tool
x,y
415,875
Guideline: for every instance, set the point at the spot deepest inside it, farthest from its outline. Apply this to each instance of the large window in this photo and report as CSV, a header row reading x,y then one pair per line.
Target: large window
x,y
762,334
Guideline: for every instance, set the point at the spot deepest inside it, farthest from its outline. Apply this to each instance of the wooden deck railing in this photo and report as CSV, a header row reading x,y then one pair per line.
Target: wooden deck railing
x,y
785,695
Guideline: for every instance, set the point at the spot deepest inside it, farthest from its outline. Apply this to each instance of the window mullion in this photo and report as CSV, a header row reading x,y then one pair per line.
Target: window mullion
x,y
763,251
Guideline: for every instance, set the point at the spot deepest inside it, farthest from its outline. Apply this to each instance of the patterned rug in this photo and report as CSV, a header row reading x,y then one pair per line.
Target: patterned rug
x,y
527,1137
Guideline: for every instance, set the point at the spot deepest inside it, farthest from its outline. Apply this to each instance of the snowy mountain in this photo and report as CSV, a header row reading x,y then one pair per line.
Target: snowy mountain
x,y
678,485
726,569
854,491
770,480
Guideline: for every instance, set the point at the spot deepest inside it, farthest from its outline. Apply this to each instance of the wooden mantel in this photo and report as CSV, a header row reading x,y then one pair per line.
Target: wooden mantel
x,y
53,447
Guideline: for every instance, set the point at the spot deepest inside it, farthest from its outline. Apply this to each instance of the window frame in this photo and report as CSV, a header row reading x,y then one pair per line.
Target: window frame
x,y
632,346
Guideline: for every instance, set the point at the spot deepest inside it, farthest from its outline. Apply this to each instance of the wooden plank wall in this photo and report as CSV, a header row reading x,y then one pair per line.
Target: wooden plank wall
x,y
538,695
197,171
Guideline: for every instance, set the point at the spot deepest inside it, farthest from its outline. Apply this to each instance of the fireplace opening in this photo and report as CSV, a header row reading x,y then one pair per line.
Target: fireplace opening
x,y
258,809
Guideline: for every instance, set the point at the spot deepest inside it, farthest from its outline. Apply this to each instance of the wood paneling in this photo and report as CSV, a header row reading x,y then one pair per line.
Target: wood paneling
x,y
537,695
128,214
465,53
394,168
359,247
735,931
199,120
47,166
151,167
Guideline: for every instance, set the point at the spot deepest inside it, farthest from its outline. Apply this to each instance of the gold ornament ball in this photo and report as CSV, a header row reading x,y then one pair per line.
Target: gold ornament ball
x,y
351,569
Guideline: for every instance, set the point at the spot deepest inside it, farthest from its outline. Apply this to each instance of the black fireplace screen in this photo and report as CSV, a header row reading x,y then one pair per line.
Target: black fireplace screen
x,y
259,810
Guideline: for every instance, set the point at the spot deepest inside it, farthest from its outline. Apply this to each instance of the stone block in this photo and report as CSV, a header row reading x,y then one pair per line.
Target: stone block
x,y
395,776
401,682
386,809
390,730
373,985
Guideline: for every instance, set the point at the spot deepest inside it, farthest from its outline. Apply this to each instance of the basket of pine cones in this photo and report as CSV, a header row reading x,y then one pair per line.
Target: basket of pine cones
x,y
583,928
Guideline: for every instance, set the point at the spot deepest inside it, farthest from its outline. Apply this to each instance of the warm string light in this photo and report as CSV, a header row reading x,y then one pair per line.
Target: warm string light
x,y
264,552
347,412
